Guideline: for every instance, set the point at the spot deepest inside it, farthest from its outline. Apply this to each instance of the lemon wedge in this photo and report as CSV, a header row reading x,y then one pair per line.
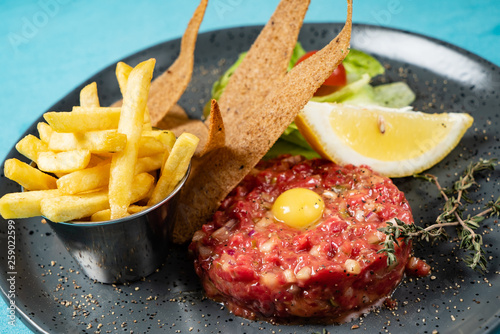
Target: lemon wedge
x,y
393,142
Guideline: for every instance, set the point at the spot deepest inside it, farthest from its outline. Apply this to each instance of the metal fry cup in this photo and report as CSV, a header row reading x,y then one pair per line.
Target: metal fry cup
x,y
125,249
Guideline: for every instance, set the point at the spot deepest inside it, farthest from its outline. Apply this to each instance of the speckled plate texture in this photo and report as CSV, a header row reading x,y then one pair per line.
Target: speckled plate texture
x,y
54,296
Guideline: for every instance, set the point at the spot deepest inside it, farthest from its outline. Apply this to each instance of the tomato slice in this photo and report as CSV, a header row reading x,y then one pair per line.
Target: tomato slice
x,y
337,78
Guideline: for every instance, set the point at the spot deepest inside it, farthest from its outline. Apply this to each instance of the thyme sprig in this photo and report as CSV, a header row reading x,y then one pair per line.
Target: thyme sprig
x,y
454,213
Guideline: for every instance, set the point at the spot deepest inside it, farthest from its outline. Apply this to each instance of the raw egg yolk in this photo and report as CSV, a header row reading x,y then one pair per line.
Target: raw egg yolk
x,y
298,207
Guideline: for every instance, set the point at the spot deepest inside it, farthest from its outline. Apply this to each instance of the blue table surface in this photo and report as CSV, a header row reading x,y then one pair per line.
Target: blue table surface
x,y
48,47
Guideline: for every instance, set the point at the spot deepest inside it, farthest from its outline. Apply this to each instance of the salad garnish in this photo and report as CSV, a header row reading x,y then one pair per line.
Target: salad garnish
x,y
349,85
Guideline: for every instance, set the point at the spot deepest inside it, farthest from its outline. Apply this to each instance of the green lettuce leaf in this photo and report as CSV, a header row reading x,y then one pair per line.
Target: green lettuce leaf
x,y
292,135
394,95
346,91
358,63
298,52
365,96
286,147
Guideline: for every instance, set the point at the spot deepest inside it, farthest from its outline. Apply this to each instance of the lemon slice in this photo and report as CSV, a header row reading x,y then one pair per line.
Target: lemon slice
x,y
393,142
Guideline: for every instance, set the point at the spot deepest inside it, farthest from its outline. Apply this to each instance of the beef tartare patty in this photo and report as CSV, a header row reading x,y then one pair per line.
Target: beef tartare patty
x,y
262,268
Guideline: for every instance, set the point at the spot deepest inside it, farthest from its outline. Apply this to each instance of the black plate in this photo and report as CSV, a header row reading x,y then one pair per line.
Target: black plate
x,y
59,299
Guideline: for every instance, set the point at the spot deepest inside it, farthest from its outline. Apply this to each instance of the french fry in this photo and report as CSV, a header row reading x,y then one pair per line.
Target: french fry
x,y
30,146
63,162
104,215
105,141
136,208
79,109
175,167
149,146
24,204
148,164
84,180
164,136
98,176
88,96
96,160
122,73
146,126
157,133
131,120
83,121
143,183
28,177
44,131
71,207
167,138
